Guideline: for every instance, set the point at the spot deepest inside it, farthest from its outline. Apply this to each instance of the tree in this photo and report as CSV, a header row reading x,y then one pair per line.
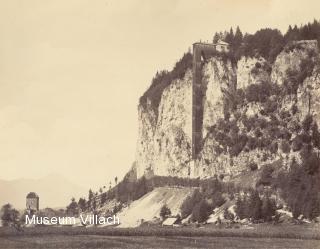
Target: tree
x,y
72,208
190,202
116,180
229,37
228,215
94,204
240,208
311,164
255,205
285,147
238,37
165,212
216,37
90,196
268,208
10,216
315,135
306,123
201,211
103,198
82,204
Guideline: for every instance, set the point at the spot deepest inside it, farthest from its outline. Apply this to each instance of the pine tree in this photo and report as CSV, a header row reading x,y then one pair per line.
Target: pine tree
x,y
238,38
230,37
82,204
216,37
268,208
255,205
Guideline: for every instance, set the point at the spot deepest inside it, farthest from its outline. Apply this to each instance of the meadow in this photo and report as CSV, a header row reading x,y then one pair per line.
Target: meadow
x,y
266,236
141,242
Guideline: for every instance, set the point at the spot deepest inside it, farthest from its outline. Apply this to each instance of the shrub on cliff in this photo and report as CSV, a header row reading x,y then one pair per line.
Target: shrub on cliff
x,y
295,77
266,178
285,146
253,166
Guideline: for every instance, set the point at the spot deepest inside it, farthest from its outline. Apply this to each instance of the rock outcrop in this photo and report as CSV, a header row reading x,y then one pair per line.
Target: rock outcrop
x,y
165,136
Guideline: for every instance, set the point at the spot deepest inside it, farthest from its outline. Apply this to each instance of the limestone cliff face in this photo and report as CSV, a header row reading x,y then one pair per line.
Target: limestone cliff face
x,y
172,140
165,137
291,57
308,96
145,146
251,70
219,79
164,142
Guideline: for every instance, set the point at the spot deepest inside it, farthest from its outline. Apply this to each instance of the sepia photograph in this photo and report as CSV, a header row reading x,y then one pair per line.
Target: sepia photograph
x,y
159,124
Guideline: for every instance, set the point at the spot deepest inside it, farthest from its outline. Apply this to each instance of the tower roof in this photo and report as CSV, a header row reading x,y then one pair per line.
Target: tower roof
x,y
32,195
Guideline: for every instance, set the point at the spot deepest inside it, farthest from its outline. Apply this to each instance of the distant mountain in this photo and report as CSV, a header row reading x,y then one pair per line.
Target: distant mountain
x,y
54,191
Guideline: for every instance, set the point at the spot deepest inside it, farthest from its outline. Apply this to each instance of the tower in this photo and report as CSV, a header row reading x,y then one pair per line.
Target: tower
x,y
201,51
32,202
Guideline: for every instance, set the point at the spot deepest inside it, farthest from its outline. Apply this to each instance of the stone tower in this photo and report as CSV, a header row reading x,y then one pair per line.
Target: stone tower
x,y
32,202
201,51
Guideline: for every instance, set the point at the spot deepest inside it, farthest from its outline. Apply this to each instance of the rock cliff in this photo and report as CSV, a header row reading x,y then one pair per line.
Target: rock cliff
x,y
252,115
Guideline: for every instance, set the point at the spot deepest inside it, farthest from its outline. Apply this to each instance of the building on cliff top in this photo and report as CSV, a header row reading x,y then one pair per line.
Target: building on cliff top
x,y
222,46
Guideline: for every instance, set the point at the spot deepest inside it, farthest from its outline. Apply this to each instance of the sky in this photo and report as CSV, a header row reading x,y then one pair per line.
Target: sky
x,y
72,72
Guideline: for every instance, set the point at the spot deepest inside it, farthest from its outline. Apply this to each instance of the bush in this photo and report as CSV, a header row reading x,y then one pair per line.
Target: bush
x,y
315,135
9,215
228,215
311,164
253,166
266,176
297,143
273,147
165,212
306,123
285,147
258,92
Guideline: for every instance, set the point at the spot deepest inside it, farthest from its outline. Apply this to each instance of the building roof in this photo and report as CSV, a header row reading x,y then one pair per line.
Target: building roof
x,y
169,221
32,195
221,42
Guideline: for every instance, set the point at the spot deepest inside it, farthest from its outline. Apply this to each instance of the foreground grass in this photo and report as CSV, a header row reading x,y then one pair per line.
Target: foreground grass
x,y
259,231
141,242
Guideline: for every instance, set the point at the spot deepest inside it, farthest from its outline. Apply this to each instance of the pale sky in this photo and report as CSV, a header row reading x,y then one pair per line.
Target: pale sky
x,y
72,71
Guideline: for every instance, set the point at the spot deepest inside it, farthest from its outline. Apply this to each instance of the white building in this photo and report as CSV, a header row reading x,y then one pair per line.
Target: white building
x,y
222,46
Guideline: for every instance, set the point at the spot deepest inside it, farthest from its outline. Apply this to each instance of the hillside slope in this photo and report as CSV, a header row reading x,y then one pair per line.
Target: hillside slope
x,y
148,206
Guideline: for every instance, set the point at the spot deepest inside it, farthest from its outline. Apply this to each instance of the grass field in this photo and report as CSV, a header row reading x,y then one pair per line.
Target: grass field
x,y
289,237
141,242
